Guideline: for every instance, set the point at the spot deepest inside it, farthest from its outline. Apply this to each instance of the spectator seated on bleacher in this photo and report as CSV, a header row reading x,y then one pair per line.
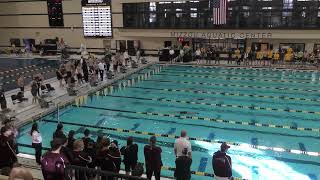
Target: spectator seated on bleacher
x,y
18,98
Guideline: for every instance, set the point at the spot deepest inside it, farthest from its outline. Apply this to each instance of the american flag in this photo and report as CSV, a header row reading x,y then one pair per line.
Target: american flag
x,y
219,12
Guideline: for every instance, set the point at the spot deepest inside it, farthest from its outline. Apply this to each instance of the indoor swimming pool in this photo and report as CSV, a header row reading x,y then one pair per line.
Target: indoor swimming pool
x,y
270,118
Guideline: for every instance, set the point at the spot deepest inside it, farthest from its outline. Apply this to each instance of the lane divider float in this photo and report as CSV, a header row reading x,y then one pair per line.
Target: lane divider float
x,y
240,85
232,94
239,73
250,68
219,105
216,120
238,78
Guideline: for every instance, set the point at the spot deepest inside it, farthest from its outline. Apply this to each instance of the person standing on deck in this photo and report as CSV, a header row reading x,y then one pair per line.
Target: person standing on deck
x,y
36,142
152,155
126,58
20,82
101,67
221,163
183,164
198,55
171,52
182,143
130,155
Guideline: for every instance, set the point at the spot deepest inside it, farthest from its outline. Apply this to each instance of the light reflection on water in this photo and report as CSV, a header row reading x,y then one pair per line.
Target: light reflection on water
x,y
252,164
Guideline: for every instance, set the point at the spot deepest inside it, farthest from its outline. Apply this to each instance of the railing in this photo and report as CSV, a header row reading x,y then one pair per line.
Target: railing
x,y
83,171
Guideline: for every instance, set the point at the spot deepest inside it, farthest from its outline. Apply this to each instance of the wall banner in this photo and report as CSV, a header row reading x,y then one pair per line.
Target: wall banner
x,y
221,35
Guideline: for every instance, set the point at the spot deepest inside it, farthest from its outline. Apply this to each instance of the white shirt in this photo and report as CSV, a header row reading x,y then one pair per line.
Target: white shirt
x,y
171,52
101,66
181,144
36,137
198,52
181,52
125,55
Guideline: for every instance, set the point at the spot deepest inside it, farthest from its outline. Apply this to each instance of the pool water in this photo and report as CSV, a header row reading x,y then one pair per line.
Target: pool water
x,y
270,118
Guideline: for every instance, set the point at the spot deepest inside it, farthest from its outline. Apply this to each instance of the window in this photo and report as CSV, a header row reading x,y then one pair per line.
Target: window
x,y
193,13
257,14
55,13
152,8
287,4
265,8
178,15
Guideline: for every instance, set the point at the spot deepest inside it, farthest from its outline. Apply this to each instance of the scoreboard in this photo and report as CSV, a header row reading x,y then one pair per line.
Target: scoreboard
x,y
97,18
55,13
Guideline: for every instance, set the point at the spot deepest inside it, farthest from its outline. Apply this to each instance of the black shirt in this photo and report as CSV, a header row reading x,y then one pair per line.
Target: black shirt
x,y
104,160
222,165
58,134
86,141
152,155
70,143
183,164
67,153
80,158
130,154
2,97
7,151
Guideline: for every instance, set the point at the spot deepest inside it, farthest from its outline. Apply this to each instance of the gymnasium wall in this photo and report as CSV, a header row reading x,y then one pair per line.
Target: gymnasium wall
x,y
29,19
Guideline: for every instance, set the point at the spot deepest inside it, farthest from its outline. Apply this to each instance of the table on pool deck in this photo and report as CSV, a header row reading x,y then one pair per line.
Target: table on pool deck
x,y
26,110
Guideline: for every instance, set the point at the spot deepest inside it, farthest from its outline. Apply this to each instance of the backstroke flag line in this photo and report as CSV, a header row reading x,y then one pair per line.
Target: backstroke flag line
x,y
219,12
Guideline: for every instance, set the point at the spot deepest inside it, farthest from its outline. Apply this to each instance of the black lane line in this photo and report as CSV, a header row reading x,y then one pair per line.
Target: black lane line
x,y
192,90
255,68
262,88
218,99
310,84
165,121
234,74
171,145
219,111
207,126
